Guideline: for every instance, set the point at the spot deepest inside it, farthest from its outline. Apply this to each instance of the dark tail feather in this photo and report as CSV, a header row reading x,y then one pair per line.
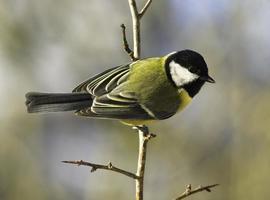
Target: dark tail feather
x,y
56,102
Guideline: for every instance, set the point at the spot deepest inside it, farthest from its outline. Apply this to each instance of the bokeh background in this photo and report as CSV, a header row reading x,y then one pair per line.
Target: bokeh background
x,y
222,137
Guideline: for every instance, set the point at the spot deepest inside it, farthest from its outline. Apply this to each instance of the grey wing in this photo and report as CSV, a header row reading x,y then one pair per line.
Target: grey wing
x,y
110,100
105,81
115,106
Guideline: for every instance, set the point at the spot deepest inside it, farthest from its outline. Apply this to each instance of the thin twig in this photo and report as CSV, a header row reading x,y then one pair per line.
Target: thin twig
x,y
144,137
189,191
136,29
136,17
144,9
109,167
125,43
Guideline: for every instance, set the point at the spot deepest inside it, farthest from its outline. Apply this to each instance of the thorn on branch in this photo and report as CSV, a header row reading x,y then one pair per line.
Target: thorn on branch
x,y
93,169
125,43
110,166
208,190
188,189
150,136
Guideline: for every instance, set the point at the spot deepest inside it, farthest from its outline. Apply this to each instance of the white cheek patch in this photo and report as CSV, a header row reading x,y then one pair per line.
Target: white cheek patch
x,y
181,75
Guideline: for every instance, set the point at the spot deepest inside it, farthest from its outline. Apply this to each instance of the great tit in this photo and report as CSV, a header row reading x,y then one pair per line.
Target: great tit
x,y
135,93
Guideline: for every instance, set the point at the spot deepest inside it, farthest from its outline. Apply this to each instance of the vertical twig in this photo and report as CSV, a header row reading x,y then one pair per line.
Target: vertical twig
x,y
141,165
136,29
143,131
144,137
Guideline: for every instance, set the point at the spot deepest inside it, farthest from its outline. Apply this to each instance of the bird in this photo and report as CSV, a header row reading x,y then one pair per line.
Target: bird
x,y
136,93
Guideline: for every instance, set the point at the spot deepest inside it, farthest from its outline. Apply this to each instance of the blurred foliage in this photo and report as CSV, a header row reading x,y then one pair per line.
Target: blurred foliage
x,y
223,137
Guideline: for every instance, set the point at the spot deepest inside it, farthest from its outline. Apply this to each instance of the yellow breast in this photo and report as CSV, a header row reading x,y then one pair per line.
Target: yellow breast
x,y
185,99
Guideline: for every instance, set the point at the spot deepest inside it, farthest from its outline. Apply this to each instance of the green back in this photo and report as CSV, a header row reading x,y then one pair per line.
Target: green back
x,y
148,80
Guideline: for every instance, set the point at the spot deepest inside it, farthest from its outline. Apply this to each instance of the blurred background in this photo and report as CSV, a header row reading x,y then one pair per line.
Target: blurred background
x,y
222,137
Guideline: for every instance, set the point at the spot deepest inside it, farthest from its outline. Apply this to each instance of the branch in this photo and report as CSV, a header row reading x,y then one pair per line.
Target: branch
x,y
144,137
136,29
109,167
189,191
136,17
144,9
125,43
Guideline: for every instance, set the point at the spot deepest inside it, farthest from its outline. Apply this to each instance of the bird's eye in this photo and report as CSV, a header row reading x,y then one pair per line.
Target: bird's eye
x,y
193,69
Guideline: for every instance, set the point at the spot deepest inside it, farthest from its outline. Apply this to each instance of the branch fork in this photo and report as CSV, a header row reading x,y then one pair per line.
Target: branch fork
x,y
136,17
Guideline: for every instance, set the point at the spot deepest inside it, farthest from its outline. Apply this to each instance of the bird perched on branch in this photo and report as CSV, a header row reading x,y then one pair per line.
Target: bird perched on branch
x,y
135,93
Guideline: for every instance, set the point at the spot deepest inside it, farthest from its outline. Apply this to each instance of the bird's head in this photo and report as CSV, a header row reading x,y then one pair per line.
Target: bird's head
x,y
187,69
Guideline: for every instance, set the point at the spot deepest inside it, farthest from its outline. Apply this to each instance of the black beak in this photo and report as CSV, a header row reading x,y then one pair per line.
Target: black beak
x,y
207,79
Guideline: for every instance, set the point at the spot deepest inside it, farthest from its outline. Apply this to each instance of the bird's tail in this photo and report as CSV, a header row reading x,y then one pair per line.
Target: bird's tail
x,y
56,102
